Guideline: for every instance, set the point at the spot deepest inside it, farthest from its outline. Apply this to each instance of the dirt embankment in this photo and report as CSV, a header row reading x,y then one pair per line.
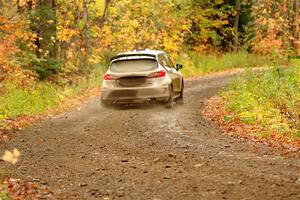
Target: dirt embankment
x,y
150,152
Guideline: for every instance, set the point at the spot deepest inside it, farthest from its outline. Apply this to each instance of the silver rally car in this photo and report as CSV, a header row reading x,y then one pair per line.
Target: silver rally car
x,y
142,75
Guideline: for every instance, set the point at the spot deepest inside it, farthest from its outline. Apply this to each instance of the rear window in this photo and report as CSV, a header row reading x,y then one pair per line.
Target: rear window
x,y
139,65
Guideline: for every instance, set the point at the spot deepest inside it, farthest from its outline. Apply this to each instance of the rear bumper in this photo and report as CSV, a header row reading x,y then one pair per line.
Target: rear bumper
x,y
134,94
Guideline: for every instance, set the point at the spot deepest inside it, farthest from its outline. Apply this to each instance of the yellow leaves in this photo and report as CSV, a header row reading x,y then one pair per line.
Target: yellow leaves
x,y
113,11
31,46
99,6
264,11
50,21
19,33
53,39
65,34
11,157
70,54
185,27
234,13
95,59
140,25
219,23
280,127
134,23
106,31
22,3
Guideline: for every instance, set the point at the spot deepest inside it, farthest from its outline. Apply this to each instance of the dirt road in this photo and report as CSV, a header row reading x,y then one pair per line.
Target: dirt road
x,y
150,152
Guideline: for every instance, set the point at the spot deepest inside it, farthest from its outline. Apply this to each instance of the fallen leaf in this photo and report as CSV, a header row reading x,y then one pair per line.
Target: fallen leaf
x,y
11,157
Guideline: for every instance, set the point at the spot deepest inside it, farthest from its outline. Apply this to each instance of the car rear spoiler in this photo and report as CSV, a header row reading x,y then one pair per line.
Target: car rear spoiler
x,y
129,55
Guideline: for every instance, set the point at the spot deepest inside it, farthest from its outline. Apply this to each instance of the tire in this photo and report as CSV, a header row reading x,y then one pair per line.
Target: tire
x,y
105,104
170,102
179,100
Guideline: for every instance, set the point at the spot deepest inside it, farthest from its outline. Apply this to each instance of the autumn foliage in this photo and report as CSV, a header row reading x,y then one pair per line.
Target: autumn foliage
x,y
59,40
277,26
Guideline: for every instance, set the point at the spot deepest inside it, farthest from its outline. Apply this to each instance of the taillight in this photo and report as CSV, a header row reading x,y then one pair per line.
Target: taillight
x,y
108,77
158,74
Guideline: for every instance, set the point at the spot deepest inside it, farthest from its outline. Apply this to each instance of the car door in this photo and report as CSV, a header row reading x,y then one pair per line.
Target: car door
x,y
163,61
176,76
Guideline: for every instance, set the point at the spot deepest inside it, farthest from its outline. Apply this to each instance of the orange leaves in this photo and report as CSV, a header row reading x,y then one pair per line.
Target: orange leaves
x,y
65,34
7,49
13,125
274,25
20,189
13,31
6,25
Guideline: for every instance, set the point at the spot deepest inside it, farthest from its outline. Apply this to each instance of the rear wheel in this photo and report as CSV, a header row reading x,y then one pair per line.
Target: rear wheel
x,y
105,104
180,98
170,102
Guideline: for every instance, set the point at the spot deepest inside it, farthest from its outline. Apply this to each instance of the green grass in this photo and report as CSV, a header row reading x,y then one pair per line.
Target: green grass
x,y
18,101
4,192
29,101
3,186
197,64
270,98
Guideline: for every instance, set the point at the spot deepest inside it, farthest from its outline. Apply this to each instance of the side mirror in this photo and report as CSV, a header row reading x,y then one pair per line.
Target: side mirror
x,y
179,66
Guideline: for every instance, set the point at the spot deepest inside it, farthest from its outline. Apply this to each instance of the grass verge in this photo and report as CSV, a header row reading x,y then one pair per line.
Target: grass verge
x,y
264,106
21,105
197,64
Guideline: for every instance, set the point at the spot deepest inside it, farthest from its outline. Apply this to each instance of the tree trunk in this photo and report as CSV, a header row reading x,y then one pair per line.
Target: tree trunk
x,y
236,25
105,12
295,29
87,27
46,28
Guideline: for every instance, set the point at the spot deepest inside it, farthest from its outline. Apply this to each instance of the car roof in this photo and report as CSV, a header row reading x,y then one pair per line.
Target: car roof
x,y
143,51
137,54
